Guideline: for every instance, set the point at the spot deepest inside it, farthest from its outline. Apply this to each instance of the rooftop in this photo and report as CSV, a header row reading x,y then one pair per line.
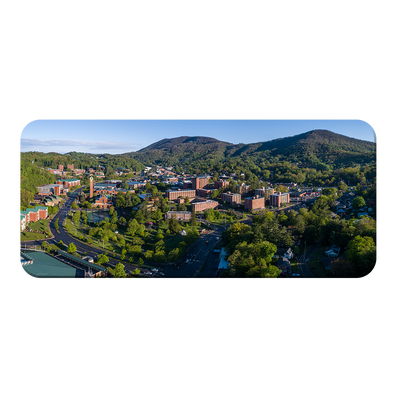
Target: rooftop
x,y
46,266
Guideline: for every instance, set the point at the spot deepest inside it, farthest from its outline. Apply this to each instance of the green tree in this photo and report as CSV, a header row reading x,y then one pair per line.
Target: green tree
x,y
74,206
173,225
140,261
121,201
61,244
361,252
148,254
358,202
102,259
173,255
193,220
56,226
119,271
71,248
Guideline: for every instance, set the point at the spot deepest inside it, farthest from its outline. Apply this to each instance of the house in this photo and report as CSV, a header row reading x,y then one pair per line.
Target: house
x,y
289,254
284,265
332,251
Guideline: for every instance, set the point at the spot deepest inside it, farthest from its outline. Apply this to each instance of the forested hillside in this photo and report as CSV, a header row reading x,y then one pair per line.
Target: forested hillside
x,y
318,149
31,177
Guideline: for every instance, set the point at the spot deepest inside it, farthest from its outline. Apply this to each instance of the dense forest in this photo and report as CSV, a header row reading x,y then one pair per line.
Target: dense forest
x,y
321,150
31,177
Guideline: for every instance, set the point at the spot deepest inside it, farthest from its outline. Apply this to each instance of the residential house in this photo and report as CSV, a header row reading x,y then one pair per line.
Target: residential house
x,y
332,251
284,265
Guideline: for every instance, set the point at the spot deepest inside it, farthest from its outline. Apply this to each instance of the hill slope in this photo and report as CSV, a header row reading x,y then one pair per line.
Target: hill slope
x,y
184,149
317,148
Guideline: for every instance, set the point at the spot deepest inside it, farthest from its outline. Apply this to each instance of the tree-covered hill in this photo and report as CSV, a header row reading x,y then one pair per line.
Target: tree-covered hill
x,y
319,149
31,177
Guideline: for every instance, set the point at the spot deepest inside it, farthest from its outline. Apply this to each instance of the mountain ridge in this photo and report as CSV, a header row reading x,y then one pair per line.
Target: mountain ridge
x,y
318,146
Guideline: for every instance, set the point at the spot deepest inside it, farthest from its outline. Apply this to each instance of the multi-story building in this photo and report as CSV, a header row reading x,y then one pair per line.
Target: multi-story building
x,y
264,192
254,203
174,194
232,198
200,181
70,166
220,184
23,222
203,192
277,199
32,214
179,215
243,189
135,184
187,184
103,201
204,205
56,189
68,183
61,167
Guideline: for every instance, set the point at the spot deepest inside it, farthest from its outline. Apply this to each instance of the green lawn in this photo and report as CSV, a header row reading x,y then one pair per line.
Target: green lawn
x,y
41,226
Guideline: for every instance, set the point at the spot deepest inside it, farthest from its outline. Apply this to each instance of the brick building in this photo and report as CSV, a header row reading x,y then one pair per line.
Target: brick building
x,y
56,189
254,203
61,167
70,166
32,214
174,194
204,205
68,183
103,201
264,192
220,184
91,188
243,189
200,181
232,198
180,215
277,199
203,192
187,184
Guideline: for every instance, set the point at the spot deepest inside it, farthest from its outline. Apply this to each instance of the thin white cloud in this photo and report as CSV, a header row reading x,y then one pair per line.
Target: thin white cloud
x,y
83,145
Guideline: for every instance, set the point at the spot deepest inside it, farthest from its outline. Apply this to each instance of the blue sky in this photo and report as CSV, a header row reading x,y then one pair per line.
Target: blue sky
x,y
121,136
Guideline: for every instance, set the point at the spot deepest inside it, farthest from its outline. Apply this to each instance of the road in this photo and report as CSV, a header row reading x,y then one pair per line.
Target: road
x,y
199,261
196,263
66,238
303,267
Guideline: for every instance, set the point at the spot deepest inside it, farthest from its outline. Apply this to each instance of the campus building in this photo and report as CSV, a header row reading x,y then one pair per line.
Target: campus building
x,y
56,189
103,201
200,181
264,192
179,215
232,198
277,199
61,167
68,183
70,166
204,205
174,194
243,189
203,192
31,215
220,184
254,203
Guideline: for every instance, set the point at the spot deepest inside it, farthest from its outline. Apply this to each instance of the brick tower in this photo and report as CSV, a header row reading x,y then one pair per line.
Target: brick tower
x,y
91,188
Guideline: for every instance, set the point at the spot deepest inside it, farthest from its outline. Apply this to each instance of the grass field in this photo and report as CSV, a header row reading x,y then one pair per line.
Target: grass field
x,y
40,226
